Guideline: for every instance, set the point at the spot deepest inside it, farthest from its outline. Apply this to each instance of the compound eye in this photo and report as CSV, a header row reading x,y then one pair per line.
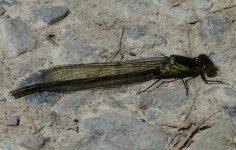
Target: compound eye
x,y
206,69
210,70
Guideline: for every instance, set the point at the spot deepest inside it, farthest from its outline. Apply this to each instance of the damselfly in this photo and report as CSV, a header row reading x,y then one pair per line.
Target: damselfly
x,y
109,74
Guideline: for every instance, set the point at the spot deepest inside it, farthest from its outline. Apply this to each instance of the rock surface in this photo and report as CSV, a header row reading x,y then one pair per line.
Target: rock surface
x,y
13,121
2,10
51,15
18,36
8,2
31,142
37,35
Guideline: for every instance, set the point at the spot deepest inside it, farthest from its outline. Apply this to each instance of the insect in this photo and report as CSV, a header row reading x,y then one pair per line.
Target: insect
x,y
109,74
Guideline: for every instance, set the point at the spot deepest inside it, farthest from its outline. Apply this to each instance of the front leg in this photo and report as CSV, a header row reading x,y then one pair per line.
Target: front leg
x,y
203,76
185,82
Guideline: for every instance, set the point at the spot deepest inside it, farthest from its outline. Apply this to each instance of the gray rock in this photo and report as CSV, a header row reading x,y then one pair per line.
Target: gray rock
x,y
159,2
116,104
106,21
51,15
2,98
230,110
13,121
147,54
214,138
19,36
24,67
203,4
136,32
230,92
43,98
41,123
150,114
214,26
2,10
159,40
5,144
71,102
4,74
121,132
142,36
8,2
144,7
227,58
225,94
182,16
75,52
169,99
68,33
32,142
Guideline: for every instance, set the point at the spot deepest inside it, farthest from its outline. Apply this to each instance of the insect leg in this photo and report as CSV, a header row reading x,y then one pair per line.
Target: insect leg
x,y
210,81
149,87
165,82
185,82
214,82
186,86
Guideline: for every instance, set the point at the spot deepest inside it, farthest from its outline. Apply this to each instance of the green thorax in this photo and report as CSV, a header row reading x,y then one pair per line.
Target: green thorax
x,y
177,68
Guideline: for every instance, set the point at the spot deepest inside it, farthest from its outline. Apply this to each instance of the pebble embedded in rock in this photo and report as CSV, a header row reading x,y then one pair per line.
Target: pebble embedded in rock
x,y
136,32
182,16
51,15
143,7
32,142
13,121
230,110
106,21
203,4
214,26
2,98
19,37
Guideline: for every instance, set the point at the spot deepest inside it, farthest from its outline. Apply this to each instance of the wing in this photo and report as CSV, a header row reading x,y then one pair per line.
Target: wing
x,y
86,83
96,70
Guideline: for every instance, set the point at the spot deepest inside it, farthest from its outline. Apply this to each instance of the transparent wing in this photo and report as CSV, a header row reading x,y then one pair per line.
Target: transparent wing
x,y
95,70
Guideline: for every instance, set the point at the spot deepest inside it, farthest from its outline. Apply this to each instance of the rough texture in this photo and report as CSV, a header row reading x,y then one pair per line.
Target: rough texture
x,y
8,2
31,142
13,121
51,15
2,10
18,36
38,34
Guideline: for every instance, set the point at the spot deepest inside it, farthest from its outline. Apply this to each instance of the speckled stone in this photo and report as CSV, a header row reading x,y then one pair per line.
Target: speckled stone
x,y
13,121
8,2
203,4
20,37
2,98
33,142
75,51
214,26
121,132
51,15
